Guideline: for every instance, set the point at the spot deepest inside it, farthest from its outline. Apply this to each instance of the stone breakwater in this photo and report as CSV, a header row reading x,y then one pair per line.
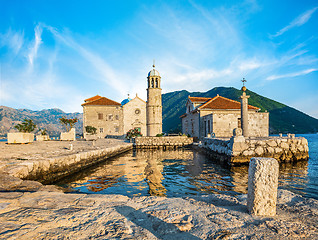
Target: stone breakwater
x,y
237,150
50,161
162,142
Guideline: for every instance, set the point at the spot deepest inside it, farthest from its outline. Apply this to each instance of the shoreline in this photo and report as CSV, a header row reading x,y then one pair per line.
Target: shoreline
x,y
52,214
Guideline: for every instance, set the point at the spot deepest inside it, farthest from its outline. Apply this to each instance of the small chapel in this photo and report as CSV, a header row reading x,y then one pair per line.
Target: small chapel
x,y
115,119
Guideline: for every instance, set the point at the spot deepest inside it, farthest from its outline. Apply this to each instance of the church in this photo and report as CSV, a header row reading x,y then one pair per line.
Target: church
x,y
219,116
111,118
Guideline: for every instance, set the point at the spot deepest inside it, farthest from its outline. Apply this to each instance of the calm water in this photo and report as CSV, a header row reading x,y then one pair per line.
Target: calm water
x,y
186,172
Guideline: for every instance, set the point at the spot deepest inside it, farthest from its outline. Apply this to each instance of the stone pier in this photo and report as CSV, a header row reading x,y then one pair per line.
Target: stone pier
x,y
239,150
52,160
163,142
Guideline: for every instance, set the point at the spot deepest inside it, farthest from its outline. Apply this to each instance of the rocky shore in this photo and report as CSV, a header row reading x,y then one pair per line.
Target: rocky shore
x,y
49,213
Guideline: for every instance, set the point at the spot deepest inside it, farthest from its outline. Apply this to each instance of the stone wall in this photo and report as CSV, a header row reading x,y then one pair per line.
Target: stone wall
x,y
156,142
238,149
107,119
20,137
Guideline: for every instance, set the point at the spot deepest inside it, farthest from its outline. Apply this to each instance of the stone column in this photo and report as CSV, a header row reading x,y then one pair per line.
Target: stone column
x,y
262,186
244,112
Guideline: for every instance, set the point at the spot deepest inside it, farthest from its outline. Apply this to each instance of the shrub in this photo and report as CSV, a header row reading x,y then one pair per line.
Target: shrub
x,y
91,129
68,122
43,131
135,132
26,126
159,135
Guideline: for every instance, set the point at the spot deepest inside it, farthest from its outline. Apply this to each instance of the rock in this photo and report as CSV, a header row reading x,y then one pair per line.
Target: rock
x,y
9,183
262,186
272,143
284,145
29,186
259,151
51,188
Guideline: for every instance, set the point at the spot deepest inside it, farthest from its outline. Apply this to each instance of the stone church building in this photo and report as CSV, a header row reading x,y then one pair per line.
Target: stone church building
x,y
218,116
111,118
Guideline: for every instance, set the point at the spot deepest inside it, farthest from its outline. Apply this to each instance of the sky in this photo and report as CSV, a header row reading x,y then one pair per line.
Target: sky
x,y
56,53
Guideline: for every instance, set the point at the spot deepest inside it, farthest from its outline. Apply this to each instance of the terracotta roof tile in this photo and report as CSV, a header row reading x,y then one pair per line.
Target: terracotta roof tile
x,y
199,99
219,102
102,101
92,98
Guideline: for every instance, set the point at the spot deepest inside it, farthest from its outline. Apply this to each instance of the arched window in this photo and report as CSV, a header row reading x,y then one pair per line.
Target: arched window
x,y
152,83
156,82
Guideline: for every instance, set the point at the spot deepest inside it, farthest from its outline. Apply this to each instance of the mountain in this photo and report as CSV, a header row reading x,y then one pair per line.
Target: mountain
x,y
282,119
47,118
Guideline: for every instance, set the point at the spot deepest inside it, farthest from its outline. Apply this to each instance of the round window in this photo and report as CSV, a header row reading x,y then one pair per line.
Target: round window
x,y
137,111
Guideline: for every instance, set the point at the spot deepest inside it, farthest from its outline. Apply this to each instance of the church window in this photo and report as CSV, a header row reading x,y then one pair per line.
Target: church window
x,y
100,116
117,117
152,82
110,117
239,123
137,111
189,109
116,129
101,130
156,82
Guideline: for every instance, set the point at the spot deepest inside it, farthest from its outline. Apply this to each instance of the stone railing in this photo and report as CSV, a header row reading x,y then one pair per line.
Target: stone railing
x,y
239,149
157,142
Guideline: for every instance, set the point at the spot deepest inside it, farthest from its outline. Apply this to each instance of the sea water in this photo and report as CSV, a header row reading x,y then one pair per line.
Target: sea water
x,y
186,172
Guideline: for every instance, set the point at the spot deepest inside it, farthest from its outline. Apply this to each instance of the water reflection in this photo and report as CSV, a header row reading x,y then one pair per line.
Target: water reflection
x,y
175,173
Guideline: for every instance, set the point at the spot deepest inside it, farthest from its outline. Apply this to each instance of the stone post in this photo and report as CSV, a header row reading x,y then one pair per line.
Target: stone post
x,y
262,186
244,112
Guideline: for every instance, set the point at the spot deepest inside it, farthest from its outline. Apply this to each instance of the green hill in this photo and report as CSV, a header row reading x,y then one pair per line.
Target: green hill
x,y
282,119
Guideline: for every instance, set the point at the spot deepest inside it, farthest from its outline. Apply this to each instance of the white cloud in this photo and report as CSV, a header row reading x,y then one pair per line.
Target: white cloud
x,y
13,40
36,44
290,75
300,20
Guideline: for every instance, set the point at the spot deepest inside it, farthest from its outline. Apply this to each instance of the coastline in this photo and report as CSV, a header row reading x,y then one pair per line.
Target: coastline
x,y
52,214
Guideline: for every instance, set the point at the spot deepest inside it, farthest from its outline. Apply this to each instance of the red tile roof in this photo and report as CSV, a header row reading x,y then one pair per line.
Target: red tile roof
x,y
102,101
199,99
219,102
92,98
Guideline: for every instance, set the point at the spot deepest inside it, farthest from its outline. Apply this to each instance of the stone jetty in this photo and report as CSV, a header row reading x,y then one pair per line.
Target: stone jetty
x,y
239,149
162,142
52,160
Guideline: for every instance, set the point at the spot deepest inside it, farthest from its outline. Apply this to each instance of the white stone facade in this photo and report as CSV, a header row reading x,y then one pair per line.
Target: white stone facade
x,y
134,115
202,119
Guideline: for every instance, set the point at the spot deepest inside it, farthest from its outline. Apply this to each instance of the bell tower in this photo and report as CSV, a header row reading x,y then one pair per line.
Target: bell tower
x,y
154,103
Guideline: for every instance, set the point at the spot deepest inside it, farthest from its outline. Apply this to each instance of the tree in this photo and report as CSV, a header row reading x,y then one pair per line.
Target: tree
x,y
90,129
26,126
68,122
43,131
135,132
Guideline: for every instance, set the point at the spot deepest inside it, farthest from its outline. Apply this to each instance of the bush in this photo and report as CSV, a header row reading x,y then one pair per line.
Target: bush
x,y
91,129
133,133
26,126
159,135
68,122
43,131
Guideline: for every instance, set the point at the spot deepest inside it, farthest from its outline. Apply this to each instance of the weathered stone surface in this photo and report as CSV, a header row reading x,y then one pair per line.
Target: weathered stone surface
x,y
68,136
54,215
262,186
259,151
50,160
8,182
20,137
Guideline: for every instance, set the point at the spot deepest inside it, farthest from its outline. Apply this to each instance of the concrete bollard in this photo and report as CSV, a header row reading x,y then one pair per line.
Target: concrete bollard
x,y
71,147
262,186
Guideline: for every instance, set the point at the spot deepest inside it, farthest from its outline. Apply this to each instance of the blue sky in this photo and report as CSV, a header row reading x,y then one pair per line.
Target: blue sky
x,y
57,53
